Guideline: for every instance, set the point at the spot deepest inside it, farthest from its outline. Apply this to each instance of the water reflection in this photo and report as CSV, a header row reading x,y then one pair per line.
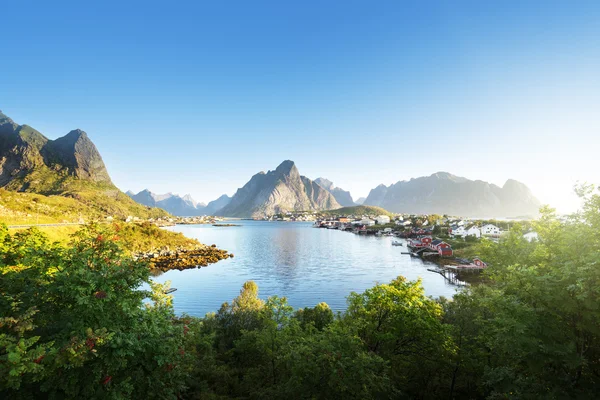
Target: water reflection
x,y
306,265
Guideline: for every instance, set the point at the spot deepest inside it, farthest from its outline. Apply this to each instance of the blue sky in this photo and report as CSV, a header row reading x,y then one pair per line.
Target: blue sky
x,y
196,97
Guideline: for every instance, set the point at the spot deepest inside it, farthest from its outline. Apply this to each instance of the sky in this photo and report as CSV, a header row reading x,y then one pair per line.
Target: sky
x,y
196,97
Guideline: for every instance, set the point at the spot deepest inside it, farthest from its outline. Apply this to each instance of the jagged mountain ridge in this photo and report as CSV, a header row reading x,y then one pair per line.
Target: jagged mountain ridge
x,y
70,166
444,193
281,190
177,205
25,151
343,197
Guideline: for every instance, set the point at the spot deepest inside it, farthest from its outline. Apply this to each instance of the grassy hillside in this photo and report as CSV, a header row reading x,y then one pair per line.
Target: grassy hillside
x,y
90,204
358,210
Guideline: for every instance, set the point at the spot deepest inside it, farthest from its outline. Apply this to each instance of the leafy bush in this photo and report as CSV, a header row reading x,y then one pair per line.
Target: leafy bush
x,y
74,323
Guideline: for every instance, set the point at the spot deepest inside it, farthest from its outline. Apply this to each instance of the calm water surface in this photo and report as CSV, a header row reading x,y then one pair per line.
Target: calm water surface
x,y
305,264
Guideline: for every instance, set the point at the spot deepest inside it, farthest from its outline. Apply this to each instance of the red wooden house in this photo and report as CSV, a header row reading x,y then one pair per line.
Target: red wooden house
x,y
443,248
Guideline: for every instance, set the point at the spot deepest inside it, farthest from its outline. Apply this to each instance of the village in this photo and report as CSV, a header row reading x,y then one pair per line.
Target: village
x,y
430,237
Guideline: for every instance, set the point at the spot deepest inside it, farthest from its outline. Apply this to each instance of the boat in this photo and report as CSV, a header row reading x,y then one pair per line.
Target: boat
x,y
396,243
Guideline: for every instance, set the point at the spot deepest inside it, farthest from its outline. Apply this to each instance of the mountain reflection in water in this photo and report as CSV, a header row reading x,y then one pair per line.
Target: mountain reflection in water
x,y
305,264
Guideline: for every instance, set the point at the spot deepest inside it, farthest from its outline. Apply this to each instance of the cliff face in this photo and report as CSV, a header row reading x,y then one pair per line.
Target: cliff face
x,y
77,153
343,197
31,162
444,193
281,190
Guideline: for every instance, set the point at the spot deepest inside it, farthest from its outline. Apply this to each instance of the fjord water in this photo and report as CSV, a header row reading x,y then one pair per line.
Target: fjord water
x,y
291,259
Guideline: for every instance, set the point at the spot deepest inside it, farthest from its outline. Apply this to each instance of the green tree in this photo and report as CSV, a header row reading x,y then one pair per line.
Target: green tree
x,y
74,325
399,323
318,317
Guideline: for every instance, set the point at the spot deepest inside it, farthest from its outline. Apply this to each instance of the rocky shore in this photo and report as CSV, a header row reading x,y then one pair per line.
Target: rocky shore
x,y
183,258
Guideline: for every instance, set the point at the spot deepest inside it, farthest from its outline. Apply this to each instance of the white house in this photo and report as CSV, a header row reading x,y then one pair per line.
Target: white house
x,y
490,229
474,231
383,219
459,231
461,223
367,221
531,236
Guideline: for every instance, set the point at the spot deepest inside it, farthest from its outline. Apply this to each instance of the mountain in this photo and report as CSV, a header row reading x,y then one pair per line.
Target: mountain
x,y
184,206
342,196
444,193
30,161
360,200
216,205
283,189
70,166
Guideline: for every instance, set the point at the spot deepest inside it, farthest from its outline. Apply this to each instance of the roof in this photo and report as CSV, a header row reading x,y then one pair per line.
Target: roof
x,y
437,241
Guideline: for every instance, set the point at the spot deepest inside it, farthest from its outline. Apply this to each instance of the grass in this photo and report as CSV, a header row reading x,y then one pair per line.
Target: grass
x,y
61,234
133,237
358,210
93,204
147,237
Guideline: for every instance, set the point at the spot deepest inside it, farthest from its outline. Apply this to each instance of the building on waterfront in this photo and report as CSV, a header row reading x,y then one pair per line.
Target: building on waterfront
x,y
367,222
383,219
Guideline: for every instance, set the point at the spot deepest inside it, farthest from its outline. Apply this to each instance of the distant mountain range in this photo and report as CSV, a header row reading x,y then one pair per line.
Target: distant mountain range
x,y
184,206
71,166
343,197
444,193
284,189
281,190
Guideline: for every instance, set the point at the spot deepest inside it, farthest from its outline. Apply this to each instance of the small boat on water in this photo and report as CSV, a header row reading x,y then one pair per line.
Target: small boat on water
x,y
396,243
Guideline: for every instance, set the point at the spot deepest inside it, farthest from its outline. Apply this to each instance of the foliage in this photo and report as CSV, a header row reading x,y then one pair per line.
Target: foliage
x,y
73,326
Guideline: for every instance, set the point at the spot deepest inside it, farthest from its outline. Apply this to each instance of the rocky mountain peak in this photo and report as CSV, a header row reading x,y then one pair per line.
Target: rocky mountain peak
x,y
341,196
25,151
283,189
76,151
325,183
287,168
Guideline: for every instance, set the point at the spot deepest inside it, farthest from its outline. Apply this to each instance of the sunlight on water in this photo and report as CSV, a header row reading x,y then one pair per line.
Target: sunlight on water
x,y
305,264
